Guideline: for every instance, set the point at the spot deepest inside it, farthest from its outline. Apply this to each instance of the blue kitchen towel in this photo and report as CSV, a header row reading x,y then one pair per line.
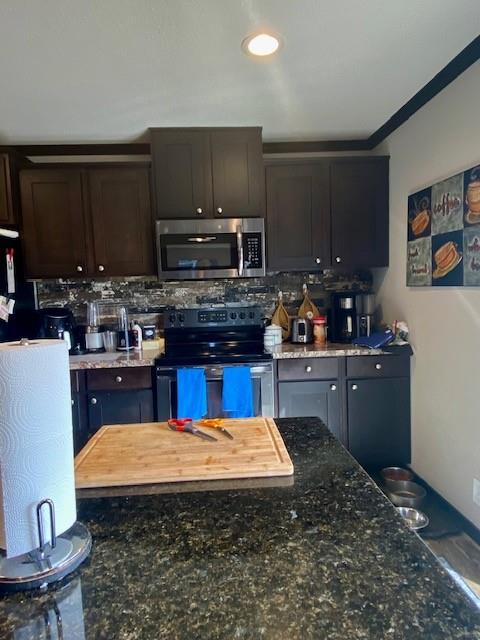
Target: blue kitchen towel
x,y
191,393
237,396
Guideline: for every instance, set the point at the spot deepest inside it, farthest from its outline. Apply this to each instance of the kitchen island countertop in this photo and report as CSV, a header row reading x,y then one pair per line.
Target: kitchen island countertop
x,y
326,556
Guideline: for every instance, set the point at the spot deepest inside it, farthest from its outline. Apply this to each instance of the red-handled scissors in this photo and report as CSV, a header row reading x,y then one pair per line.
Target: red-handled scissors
x,y
186,424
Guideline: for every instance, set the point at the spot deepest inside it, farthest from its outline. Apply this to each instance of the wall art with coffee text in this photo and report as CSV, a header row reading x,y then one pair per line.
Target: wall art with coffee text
x,y
443,248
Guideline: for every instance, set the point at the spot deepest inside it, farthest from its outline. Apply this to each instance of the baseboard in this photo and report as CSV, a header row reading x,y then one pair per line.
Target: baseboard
x,y
467,525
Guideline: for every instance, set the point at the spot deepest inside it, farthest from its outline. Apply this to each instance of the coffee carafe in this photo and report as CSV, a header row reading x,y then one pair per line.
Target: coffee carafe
x,y
344,317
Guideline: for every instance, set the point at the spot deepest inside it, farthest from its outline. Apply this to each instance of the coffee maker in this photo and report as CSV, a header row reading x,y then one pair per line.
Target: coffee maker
x,y
365,306
344,317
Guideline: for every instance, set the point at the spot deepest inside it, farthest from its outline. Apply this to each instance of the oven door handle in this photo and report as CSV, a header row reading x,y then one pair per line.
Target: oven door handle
x,y
240,250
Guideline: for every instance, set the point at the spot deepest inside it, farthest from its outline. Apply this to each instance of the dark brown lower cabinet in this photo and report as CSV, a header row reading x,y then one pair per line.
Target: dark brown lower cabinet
x,y
378,417
119,407
319,398
79,421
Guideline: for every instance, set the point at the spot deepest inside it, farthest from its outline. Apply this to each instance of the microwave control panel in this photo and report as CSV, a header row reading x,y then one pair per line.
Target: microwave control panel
x,y
252,250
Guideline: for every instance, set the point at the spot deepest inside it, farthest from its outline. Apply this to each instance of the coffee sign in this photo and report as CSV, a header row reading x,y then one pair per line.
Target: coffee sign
x,y
443,246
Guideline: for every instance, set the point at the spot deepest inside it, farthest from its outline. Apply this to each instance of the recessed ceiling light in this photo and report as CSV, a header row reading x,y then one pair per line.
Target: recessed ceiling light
x,y
261,44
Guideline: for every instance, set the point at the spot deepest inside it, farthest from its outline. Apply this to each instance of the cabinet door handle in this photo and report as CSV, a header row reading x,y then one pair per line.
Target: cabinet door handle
x,y
219,211
118,379
338,259
101,267
308,369
354,387
333,387
318,260
79,268
199,211
93,401
73,402
378,366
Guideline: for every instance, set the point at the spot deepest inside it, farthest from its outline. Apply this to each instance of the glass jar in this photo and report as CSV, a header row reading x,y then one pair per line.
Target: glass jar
x,y
320,330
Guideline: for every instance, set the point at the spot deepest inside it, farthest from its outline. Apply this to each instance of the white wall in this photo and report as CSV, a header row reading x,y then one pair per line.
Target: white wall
x,y
438,141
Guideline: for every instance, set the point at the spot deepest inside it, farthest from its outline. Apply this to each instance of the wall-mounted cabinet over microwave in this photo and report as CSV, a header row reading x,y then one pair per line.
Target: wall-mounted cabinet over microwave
x,y
208,173
87,222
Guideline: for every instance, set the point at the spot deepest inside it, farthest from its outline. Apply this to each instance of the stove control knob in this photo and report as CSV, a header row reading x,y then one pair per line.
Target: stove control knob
x,y
172,317
251,315
181,317
233,315
242,315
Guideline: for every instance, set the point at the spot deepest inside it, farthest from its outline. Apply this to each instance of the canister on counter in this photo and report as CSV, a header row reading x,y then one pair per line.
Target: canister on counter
x,y
320,330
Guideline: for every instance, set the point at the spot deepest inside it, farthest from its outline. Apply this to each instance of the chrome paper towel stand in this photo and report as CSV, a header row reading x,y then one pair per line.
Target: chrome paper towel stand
x,y
51,561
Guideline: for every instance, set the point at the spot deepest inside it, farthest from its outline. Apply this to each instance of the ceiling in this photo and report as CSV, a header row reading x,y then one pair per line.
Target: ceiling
x,y
105,71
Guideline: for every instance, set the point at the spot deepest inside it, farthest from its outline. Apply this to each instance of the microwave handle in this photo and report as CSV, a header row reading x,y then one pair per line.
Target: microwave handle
x,y
240,250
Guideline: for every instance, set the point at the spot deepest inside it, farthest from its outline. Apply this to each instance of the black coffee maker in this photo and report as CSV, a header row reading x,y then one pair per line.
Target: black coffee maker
x,y
344,317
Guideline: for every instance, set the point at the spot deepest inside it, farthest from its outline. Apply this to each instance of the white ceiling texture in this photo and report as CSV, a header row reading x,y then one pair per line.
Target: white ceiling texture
x,y
106,70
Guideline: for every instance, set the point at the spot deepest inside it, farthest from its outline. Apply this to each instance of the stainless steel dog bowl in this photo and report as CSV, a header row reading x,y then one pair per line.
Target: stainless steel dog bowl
x,y
392,475
406,494
414,518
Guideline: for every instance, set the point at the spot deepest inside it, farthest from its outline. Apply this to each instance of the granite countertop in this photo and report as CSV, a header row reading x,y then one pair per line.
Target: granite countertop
x,y
283,351
332,350
113,360
326,556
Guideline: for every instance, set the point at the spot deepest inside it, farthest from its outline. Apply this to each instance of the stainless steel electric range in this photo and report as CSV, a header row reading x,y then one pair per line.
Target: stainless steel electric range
x,y
214,338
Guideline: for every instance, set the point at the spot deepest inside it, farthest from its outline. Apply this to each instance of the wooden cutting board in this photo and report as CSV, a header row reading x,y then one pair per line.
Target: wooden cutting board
x,y
133,454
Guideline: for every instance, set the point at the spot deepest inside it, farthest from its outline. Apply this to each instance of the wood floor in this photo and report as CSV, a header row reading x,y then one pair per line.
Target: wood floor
x,y
463,555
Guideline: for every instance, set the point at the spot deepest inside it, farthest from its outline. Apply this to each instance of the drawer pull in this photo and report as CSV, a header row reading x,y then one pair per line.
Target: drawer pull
x,y
219,210
378,366
333,387
308,369
101,267
354,387
118,379
199,211
318,260
338,259
93,401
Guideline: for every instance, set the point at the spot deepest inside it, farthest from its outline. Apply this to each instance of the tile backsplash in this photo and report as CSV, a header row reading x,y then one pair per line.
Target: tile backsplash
x,y
149,295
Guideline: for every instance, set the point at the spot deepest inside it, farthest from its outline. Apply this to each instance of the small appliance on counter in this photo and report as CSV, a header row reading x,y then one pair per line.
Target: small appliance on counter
x,y
57,323
93,333
302,331
125,338
344,317
365,307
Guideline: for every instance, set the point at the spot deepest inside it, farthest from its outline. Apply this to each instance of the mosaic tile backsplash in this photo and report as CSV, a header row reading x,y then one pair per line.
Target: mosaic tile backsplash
x,y
149,295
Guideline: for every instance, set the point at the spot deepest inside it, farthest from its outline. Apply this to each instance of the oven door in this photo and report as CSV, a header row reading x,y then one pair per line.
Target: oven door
x,y
201,249
262,381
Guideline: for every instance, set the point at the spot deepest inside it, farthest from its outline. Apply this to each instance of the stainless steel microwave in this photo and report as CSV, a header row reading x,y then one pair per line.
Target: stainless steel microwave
x,y
201,249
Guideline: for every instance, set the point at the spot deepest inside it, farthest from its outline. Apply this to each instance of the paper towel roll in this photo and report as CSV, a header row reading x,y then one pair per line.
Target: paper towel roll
x,y
36,441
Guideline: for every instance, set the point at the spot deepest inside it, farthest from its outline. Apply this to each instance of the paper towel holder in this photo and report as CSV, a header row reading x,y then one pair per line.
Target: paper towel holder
x,y
50,561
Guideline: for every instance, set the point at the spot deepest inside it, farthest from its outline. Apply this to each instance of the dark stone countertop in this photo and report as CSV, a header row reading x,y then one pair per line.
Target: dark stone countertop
x,y
326,556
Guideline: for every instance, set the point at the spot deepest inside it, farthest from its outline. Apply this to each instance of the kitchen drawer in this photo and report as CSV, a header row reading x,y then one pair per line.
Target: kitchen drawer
x,y
378,366
308,369
118,379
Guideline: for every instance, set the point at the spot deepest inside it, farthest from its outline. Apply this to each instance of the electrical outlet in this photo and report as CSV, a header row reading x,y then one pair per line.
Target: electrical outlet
x,y
476,491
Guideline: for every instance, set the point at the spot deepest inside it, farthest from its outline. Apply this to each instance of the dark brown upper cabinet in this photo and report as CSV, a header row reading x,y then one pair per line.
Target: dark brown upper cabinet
x,y
86,222
298,217
121,221
359,207
6,202
53,223
208,173
328,212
